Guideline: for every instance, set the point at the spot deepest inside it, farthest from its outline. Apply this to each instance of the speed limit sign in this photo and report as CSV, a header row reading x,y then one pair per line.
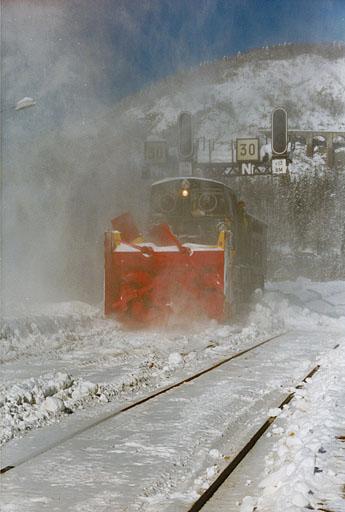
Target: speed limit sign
x,y
247,150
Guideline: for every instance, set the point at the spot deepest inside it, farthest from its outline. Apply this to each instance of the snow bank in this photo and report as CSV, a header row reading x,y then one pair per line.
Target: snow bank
x,y
305,469
30,329
35,402
301,304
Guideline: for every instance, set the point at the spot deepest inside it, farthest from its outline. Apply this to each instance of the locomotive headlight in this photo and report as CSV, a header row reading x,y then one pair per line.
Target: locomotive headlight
x,y
185,186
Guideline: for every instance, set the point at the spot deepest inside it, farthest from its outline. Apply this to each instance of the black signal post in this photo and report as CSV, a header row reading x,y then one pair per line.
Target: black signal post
x,y
279,132
185,136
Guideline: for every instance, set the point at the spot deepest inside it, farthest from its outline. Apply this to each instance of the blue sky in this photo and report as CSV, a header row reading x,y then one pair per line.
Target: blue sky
x,y
156,37
110,48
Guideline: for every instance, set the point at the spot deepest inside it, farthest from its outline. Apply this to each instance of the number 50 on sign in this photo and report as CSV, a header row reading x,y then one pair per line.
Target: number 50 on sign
x,y
247,150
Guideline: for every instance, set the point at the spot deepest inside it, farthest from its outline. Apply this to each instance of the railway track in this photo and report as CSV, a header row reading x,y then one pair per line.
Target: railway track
x,y
159,447
102,419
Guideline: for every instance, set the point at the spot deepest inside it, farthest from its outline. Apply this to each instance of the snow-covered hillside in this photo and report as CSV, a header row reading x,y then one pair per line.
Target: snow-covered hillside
x,y
235,96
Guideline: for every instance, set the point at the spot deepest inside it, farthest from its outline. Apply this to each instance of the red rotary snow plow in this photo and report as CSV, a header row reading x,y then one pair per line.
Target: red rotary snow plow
x,y
152,282
203,256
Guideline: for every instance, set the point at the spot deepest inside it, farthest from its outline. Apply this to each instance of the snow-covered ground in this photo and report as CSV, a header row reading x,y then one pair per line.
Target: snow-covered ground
x,y
65,363
306,465
163,454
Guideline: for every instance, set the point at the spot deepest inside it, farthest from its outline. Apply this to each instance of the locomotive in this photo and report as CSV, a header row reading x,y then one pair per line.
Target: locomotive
x,y
202,257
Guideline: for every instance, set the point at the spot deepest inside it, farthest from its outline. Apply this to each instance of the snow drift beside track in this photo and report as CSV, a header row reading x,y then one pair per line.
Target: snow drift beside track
x,y
28,329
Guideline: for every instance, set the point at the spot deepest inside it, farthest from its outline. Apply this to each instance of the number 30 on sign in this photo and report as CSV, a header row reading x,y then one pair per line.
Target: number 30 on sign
x,y
247,150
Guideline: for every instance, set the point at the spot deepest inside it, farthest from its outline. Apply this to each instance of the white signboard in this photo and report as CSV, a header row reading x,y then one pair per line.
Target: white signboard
x,y
247,150
247,169
156,151
279,166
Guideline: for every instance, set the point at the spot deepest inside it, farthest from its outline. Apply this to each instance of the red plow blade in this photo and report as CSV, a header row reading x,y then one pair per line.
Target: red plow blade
x,y
154,283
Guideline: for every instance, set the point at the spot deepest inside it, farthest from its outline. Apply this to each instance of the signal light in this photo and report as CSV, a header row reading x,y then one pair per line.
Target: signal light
x,y
279,131
185,136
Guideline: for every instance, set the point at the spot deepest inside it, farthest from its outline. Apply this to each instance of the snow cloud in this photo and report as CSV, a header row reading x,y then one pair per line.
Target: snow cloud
x,y
60,184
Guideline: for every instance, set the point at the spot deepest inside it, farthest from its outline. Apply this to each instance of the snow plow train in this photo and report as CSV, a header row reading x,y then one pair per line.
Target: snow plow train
x,y
202,256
